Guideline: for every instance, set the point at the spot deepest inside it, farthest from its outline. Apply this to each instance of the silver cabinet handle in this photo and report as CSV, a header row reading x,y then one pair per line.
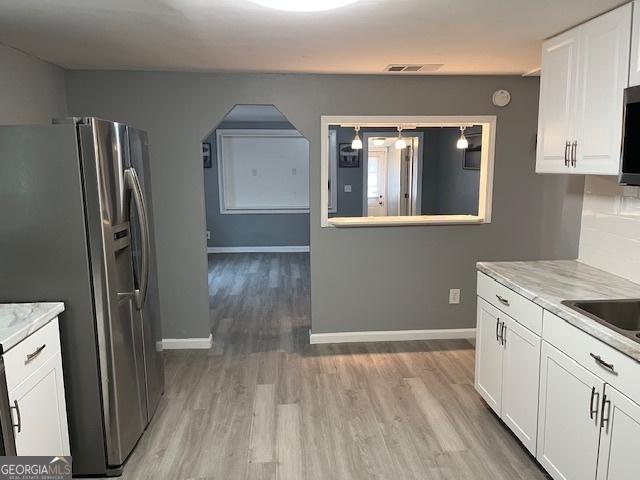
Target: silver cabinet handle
x,y
131,179
602,363
497,330
604,421
503,338
503,300
35,353
16,407
593,410
574,149
566,153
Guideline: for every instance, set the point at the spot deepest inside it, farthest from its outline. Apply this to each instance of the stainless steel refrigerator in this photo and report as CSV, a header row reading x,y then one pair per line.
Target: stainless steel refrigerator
x,y
76,226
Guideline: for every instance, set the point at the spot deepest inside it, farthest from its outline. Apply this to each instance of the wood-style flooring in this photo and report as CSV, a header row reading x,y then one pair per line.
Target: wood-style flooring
x,y
264,404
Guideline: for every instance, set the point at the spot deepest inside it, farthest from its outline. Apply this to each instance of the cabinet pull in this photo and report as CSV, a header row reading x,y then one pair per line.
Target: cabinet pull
x,y
35,353
17,409
574,148
503,300
604,421
503,331
602,363
566,153
593,410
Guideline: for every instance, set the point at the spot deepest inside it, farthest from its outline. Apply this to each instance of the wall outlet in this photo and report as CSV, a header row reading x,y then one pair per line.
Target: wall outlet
x,y
347,189
208,235
454,296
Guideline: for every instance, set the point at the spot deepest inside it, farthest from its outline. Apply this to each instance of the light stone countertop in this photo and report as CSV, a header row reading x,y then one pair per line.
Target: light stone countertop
x,y
548,283
19,320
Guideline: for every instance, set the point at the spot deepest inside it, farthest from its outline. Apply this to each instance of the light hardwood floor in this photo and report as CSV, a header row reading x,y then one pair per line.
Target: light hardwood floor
x,y
264,404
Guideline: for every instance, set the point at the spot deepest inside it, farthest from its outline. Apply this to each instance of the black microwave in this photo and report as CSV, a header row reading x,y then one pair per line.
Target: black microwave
x,y
630,164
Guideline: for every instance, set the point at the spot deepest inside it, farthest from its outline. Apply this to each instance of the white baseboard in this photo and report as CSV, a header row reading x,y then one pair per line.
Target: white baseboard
x,y
392,335
187,343
281,249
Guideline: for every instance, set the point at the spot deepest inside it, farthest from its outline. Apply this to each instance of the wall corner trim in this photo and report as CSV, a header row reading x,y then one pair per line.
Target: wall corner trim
x,y
187,343
392,335
274,249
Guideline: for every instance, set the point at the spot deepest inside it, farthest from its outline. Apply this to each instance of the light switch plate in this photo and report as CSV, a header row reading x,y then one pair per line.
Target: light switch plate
x,y
208,235
454,296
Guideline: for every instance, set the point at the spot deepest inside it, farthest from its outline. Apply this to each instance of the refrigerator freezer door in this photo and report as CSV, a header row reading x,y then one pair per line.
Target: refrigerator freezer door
x,y
104,149
154,366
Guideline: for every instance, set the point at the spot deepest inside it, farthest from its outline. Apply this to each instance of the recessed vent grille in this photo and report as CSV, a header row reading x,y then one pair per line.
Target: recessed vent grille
x,y
404,68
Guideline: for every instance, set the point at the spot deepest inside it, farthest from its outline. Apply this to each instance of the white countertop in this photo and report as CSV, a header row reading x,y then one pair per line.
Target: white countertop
x,y
19,320
549,283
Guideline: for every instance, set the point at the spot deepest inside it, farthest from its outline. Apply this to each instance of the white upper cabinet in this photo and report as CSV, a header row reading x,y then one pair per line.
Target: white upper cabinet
x,y
584,74
634,68
557,98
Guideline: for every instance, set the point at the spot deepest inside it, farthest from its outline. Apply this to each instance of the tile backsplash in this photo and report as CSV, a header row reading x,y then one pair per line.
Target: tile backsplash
x,y
610,231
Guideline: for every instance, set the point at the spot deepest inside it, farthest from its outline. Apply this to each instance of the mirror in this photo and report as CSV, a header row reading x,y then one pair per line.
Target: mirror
x,y
409,170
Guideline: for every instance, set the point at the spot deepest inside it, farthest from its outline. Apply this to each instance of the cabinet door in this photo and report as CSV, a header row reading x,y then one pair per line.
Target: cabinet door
x,y
489,353
557,101
568,431
604,64
520,382
634,70
38,405
619,441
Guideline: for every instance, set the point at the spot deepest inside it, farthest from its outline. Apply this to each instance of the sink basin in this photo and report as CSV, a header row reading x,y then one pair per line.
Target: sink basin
x,y
623,316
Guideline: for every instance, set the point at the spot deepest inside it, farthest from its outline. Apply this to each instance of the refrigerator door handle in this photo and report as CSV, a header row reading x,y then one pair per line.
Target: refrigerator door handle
x,y
132,182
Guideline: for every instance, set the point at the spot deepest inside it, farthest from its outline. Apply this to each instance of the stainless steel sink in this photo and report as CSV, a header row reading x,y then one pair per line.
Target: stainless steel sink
x,y
623,316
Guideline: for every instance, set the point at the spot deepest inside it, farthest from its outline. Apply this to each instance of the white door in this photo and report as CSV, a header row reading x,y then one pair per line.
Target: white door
x,y
377,184
604,64
557,101
489,355
568,418
38,407
520,381
620,438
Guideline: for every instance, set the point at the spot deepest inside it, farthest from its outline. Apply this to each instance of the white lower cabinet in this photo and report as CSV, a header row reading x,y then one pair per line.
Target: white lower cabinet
x,y
568,422
507,371
39,412
620,437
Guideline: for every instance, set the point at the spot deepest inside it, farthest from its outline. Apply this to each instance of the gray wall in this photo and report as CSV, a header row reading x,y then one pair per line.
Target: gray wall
x,y
31,91
362,279
260,230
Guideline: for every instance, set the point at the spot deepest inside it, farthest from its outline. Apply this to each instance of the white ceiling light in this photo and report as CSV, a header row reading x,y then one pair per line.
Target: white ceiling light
x,y
303,5
357,142
462,141
400,142
378,142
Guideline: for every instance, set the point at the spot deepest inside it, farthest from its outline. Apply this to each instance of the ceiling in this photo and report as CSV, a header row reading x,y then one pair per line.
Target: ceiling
x,y
467,36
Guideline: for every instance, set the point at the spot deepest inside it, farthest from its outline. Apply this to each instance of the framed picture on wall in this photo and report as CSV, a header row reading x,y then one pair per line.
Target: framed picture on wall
x,y
348,157
206,155
472,154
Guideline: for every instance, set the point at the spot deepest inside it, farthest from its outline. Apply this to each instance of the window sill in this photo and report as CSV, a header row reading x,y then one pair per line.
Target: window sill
x,y
405,221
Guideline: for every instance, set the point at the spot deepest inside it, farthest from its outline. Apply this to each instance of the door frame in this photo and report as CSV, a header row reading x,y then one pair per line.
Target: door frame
x,y
365,156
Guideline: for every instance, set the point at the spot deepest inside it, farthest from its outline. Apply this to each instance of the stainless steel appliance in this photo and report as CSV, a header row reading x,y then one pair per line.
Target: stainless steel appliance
x,y
75,226
630,165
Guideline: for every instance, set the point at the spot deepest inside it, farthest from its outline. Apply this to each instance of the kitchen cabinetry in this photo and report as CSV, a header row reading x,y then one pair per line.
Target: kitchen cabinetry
x,y
568,425
634,63
584,74
35,385
507,366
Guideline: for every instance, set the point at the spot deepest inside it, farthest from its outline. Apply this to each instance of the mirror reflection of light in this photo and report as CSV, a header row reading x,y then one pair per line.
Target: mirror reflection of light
x,y
304,5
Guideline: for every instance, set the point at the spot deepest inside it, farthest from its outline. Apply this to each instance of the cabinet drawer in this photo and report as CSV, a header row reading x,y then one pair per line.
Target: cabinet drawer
x,y
524,311
18,367
580,345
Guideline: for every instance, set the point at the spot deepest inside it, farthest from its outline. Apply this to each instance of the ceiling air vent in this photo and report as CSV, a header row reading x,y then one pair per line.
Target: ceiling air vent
x,y
404,68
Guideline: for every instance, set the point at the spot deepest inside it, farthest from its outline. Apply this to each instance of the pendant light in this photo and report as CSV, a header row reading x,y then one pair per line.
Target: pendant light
x,y
357,143
462,141
400,142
